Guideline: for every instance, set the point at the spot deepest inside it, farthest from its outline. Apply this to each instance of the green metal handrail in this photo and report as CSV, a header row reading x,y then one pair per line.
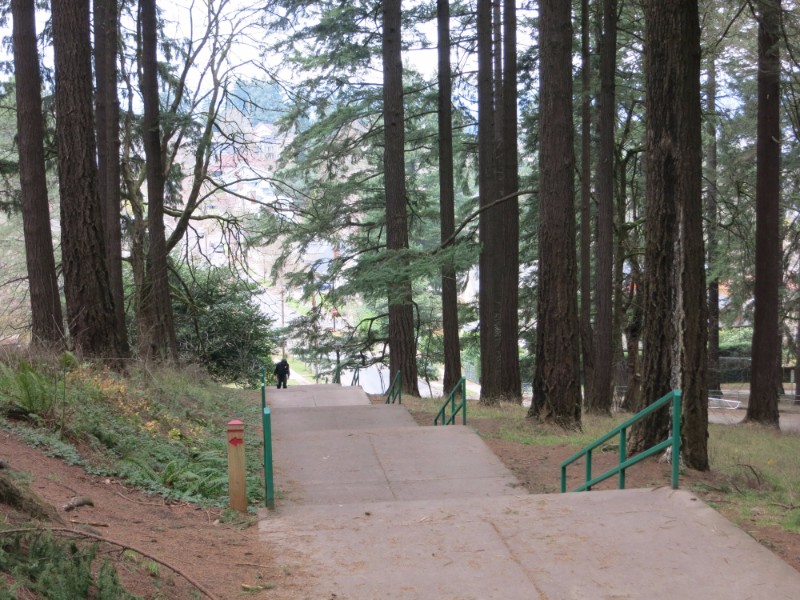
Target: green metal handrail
x,y
355,380
395,390
673,441
451,402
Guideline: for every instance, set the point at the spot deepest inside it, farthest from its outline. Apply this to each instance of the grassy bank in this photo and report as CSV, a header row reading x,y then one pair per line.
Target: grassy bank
x,y
159,430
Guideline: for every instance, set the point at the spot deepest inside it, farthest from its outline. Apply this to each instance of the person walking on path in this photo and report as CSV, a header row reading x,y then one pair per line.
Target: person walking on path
x,y
282,373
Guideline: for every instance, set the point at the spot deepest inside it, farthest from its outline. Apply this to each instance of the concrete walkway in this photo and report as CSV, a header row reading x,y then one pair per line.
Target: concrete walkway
x,y
384,508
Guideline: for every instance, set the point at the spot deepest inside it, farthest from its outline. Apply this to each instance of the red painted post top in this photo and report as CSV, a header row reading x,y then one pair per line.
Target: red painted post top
x,y
235,425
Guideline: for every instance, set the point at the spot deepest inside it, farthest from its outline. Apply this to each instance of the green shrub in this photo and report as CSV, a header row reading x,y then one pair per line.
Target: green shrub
x,y
220,325
54,569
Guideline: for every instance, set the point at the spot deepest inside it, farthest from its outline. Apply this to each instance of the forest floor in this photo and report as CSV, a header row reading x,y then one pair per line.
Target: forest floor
x,y
183,551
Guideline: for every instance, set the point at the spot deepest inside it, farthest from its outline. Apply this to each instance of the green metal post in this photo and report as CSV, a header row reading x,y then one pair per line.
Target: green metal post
x,y
623,455
588,467
399,388
269,482
263,388
464,401
563,479
676,437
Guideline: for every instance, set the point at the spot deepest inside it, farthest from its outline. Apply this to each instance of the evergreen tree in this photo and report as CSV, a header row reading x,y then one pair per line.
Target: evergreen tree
x,y
90,304
452,346
675,315
47,323
106,22
600,401
557,389
510,383
763,405
156,327
587,334
402,335
490,222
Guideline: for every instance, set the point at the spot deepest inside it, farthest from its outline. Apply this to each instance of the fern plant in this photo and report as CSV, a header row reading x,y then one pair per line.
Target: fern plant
x,y
27,393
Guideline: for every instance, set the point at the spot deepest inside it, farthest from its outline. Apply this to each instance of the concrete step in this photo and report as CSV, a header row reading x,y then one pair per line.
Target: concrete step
x,y
288,421
316,395
634,544
344,466
377,507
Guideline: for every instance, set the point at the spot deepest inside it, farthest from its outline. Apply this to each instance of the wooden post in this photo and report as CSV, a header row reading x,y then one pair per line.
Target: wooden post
x,y
236,466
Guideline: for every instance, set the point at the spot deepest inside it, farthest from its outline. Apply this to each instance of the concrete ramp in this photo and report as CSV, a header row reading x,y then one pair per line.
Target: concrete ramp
x,y
316,395
407,463
634,544
385,509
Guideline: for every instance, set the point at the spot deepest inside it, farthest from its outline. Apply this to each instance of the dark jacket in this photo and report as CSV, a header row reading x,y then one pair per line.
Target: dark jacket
x,y
282,369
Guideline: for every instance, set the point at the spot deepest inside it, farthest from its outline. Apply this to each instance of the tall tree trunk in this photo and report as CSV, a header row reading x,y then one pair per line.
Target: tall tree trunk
x,y
763,405
557,388
675,325
47,321
402,341
452,344
489,223
157,339
90,305
587,335
107,123
510,383
662,174
600,402
689,192
714,382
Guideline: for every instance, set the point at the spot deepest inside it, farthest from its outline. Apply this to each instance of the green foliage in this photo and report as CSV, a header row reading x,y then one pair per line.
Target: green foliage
x,y
161,431
27,392
192,477
45,567
736,341
49,442
220,325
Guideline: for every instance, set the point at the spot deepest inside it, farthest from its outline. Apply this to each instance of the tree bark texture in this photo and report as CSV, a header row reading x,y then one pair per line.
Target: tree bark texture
x,y
675,324
510,384
108,169
452,344
90,305
402,339
489,221
600,401
694,334
763,405
587,334
661,220
557,388
47,321
157,339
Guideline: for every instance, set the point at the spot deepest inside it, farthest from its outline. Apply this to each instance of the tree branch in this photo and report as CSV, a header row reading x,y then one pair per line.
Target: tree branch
x,y
475,213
